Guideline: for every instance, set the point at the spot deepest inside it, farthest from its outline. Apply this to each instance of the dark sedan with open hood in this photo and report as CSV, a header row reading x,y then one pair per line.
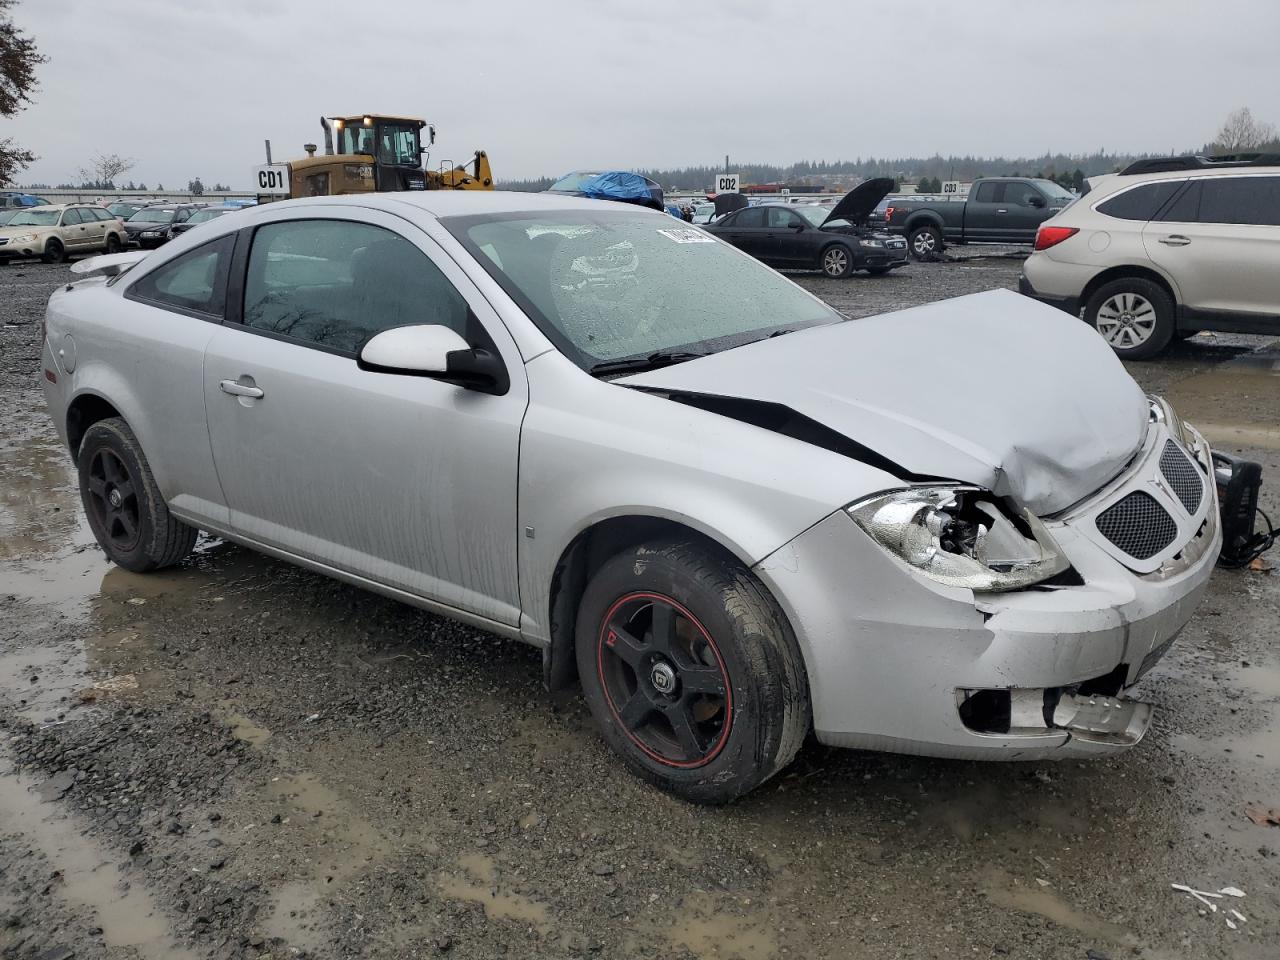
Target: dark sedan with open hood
x,y
835,240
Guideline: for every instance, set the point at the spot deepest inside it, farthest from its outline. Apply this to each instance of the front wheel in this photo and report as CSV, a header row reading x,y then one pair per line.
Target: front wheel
x,y
1134,315
925,242
126,512
837,262
691,671
54,252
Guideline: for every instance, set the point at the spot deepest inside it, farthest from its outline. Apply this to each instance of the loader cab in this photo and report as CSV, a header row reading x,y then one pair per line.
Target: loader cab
x,y
394,143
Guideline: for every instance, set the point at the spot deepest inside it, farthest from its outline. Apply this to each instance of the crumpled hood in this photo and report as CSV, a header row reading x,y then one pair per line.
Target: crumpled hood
x,y
992,389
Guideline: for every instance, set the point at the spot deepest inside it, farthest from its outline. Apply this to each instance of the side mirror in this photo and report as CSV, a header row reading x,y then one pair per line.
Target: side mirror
x,y
798,227
1035,200
431,350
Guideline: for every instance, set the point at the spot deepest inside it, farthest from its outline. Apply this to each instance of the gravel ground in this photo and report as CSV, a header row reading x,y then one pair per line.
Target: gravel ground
x,y
237,758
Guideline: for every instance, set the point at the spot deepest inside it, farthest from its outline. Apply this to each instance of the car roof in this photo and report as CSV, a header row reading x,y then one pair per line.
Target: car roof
x,y
1116,182
456,203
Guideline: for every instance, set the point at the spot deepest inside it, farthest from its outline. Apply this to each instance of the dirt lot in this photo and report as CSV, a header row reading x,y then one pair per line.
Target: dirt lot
x,y
238,758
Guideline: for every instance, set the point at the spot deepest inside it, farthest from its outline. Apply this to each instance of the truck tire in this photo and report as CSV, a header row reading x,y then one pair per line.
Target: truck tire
x,y
691,670
126,512
1134,315
925,242
837,261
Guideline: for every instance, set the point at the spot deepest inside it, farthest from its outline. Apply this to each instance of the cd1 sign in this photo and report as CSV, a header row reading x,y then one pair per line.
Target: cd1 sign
x,y
727,183
272,179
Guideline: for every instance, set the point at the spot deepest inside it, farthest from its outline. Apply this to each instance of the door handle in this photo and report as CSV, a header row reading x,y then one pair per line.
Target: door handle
x,y
1175,240
237,389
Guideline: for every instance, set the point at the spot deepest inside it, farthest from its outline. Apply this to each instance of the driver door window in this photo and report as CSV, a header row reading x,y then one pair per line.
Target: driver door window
x,y
332,284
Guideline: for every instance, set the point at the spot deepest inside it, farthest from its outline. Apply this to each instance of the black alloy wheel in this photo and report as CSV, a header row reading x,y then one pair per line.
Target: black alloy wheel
x,y
665,680
113,500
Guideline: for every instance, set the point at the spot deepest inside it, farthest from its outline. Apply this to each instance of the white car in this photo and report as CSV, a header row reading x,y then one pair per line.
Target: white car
x,y
1165,249
576,423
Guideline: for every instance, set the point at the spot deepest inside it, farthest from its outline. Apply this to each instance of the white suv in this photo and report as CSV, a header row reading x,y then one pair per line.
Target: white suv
x,y
1165,249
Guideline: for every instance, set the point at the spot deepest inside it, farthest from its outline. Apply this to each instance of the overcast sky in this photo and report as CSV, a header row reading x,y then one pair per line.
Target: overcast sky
x,y
192,87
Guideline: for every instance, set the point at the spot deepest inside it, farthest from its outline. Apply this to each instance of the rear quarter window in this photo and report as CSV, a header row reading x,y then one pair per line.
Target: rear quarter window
x,y
1142,202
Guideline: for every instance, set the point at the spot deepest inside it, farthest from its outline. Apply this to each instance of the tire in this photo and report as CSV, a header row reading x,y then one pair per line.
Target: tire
x,y
836,261
113,243
925,242
1134,315
750,712
54,252
136,530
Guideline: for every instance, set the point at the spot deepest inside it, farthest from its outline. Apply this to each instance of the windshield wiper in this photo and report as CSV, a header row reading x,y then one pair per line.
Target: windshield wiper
x,y
663,358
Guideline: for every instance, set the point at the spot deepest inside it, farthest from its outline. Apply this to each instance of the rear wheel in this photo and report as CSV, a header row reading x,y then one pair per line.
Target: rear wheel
x,y
1134,315
925,242
126,512
837,261
113,243
54,252
691,671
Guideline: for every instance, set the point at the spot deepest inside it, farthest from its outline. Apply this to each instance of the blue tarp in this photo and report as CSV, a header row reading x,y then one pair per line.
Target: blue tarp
x,y
620,185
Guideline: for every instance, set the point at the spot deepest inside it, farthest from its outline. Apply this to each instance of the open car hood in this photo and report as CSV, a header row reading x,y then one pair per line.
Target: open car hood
x,y
856,205
992,389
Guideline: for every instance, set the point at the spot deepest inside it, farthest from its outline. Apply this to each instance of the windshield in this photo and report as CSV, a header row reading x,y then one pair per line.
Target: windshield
x,y
200,216
36,218
123,209
571,182
398,144
152,215
1055,191
616,285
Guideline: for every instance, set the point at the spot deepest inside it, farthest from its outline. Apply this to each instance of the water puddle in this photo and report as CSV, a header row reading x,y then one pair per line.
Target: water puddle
x,y
497,905
129,918
706,929
242,728
349,844
1047,903
1234,403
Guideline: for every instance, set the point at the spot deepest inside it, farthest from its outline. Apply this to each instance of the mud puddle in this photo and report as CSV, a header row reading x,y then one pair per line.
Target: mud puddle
x,y
125,912
1234,403
476,881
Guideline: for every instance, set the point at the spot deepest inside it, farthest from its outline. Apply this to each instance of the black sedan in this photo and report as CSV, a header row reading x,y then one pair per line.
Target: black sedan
x,y
835,240
150,226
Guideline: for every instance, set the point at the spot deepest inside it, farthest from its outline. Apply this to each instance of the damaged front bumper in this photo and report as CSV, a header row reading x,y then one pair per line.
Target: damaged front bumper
x,y
898,662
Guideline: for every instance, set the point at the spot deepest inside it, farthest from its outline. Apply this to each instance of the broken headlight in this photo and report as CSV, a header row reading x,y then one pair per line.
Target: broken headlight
x,y
961,537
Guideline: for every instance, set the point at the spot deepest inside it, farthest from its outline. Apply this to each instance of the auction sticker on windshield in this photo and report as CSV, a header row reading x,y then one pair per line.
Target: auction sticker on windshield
x,y
687,236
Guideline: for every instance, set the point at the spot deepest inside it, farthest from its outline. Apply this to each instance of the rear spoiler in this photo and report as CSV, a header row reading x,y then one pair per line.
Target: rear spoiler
x,y
109,265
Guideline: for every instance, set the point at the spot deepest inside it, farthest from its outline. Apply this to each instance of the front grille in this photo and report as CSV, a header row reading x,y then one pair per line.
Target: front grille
x,y
1137,525
1182,476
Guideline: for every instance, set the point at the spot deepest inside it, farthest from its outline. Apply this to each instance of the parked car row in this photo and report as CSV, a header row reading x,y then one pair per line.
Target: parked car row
x,y
52,232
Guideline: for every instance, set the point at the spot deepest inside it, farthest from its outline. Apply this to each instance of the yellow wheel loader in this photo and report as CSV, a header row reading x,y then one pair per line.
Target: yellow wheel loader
x,y
378,154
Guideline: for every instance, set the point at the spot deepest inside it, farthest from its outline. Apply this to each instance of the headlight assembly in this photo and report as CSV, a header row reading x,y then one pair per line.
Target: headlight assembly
x,y
25,238
872,243
1162,412
961,537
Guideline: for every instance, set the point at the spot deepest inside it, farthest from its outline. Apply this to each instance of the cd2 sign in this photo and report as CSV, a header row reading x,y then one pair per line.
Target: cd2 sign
x,y
727,183
272,178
